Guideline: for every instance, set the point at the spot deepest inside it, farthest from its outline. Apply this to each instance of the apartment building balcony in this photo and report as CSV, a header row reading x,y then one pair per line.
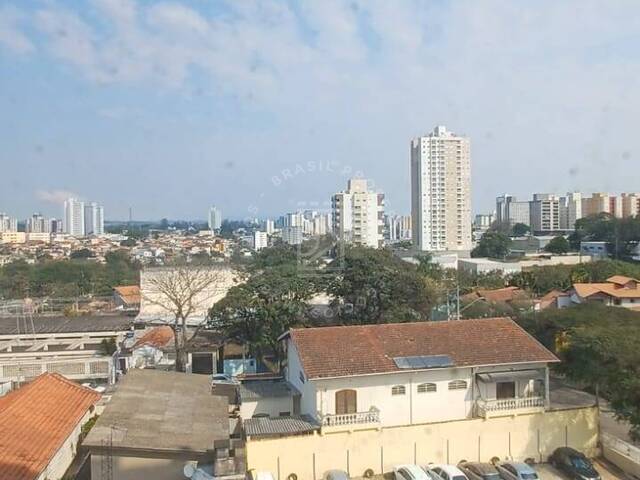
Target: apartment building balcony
x,y
509,406
351,421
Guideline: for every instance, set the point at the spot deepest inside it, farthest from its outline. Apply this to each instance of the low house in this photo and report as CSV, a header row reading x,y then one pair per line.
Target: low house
x,y
618,291
375,396
268,398
40,427
127,297
407,373
80,348
154,348
158,422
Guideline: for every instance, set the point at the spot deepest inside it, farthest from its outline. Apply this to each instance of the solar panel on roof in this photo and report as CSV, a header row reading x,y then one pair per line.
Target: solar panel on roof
x,y
423,361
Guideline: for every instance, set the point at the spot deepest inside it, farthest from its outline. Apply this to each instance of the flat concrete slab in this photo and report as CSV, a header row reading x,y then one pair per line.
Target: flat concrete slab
x,y
156,411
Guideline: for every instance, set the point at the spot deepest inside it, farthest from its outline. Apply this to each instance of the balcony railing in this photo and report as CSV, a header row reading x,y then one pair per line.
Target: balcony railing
x,y
346,419
487,408
75,369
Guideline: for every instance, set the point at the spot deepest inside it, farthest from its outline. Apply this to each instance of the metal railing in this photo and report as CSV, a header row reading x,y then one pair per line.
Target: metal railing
x,y
75,369
622,447
358,418
508,404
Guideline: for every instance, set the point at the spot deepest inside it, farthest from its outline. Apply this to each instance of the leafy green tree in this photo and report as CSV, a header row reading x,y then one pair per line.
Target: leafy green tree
x,y
258,312
598,346
374,286
558,246
492,245
520,230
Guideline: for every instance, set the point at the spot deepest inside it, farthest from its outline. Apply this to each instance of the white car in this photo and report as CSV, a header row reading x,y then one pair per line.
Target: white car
x,y
516,471
410,472
446,472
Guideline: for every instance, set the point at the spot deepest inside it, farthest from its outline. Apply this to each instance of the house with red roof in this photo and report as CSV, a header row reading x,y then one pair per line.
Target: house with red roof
x,y
40,427
406,373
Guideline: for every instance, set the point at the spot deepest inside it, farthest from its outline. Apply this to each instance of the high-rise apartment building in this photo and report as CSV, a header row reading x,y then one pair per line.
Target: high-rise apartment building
x,y
398,228
269,226
570,210
55,225
358,214
215,218
260,240
7,223
73,219
630,204
292,235
93,219
545,213
37,223
441,191
602,203
510,211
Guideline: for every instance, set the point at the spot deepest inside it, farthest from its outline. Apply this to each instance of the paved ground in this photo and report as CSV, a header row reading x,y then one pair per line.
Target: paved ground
x,y
607,472
547,472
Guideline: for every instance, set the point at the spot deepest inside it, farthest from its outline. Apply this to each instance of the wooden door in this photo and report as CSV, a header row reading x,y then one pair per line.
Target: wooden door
x,y
346,402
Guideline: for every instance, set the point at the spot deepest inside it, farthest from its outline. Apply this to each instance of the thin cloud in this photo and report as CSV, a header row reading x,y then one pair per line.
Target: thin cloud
x,y
55,197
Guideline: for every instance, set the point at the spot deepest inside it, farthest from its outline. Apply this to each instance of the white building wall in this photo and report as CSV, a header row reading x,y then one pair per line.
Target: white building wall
x,y
298,378
269,406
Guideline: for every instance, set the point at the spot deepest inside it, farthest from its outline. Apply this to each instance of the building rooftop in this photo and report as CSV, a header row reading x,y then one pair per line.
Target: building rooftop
x,y
60,324
129,293
36,420
270,388
273,427
369,349
157,337
155,411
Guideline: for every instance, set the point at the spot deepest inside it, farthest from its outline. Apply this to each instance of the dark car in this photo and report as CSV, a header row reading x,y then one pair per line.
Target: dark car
x,y
574,464
479,471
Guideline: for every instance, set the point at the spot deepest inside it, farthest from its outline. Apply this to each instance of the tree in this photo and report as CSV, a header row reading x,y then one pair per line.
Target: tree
x,y
180,291
492,245
558,246
598,349
81,254
374,286
259,311
520,229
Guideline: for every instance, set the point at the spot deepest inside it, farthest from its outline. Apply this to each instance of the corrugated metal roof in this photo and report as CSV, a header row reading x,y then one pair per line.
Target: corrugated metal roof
x,y
257,389
265,427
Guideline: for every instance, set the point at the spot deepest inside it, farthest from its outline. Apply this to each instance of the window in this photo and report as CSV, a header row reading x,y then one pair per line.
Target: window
x,y
457,385
301,376
505,390
427,388
398,390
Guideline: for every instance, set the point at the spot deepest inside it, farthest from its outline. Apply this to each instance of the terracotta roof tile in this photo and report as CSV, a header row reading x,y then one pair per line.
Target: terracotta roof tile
x,y
156,337
36,420
129,293
369,349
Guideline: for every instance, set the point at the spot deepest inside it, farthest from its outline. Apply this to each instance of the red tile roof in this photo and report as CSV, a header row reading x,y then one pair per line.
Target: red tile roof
x,y
129,293
156,337
36,420
369,349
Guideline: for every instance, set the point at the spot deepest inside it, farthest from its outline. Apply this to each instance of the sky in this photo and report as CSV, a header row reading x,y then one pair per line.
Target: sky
x,y
263,107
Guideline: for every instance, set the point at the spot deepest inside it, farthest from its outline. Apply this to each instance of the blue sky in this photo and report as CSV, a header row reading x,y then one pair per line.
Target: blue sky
x,y
263,107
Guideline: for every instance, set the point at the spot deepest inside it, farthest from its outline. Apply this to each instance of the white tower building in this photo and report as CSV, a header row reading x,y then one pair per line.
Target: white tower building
x,y
358,214
441,191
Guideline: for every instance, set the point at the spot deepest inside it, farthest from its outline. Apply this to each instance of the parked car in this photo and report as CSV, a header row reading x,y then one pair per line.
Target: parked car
x,y
446,472
516,471
479,471
574,464
409,472
336,475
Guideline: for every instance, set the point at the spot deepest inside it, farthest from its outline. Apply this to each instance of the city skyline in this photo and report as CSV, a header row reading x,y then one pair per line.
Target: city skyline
x,y
222,119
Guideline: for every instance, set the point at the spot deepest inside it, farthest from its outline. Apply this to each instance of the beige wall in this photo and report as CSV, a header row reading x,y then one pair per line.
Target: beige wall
x,y
534,435
136,468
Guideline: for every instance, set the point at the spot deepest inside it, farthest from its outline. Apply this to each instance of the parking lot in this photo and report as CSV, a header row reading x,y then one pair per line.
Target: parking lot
x,y
547,472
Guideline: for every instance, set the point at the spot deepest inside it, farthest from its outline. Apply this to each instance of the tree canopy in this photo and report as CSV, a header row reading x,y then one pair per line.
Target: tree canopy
x,y
558,246
492,245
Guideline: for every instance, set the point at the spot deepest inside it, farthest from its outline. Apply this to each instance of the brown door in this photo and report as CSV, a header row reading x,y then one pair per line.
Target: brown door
x,y
346,402
505,390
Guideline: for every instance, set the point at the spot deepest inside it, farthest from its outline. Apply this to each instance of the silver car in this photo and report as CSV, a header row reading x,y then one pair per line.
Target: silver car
x,y
336,475
516,471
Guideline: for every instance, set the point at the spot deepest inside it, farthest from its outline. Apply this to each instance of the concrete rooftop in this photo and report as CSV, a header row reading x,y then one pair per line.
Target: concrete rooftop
x,y
153,412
